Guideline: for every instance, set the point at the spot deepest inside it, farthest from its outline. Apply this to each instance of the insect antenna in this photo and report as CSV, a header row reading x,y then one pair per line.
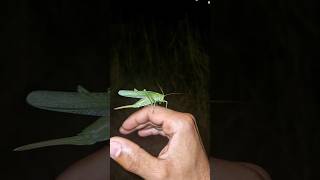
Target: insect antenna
x,y
160,88
172,94
226,101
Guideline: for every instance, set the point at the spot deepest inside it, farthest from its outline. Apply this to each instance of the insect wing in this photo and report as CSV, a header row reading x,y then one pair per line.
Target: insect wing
x,y
99,130
82,102
133,94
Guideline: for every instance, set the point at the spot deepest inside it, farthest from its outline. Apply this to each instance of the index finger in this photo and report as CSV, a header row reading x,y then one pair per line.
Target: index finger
x,y
151,114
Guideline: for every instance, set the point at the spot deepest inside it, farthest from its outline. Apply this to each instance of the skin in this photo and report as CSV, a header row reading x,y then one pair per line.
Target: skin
x,y
94,167
182,158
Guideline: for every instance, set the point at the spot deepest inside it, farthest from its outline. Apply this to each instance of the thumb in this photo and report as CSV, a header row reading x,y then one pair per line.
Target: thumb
x,y
134,159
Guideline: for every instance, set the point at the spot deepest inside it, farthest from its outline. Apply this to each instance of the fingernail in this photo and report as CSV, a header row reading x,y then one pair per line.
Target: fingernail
x,y
115,149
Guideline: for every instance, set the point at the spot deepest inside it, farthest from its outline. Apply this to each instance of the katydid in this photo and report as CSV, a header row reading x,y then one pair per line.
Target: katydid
x,y
81,102
146,98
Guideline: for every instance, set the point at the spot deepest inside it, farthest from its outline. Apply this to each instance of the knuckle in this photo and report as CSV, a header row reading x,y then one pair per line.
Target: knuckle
x,y
189,116
163,173
185,122
132,164
189,120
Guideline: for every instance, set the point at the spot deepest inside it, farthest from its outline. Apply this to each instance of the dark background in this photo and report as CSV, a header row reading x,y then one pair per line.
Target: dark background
x,y
266,53
48,45
262,54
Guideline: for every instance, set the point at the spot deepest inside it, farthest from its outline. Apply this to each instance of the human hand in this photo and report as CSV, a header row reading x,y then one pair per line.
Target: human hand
x,y
182,158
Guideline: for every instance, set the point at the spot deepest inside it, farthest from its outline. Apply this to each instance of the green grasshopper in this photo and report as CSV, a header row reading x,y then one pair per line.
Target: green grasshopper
x,y
146,98
81,102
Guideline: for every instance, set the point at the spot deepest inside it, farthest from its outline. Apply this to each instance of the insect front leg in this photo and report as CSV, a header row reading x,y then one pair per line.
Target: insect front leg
x,y
152,102
154,105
